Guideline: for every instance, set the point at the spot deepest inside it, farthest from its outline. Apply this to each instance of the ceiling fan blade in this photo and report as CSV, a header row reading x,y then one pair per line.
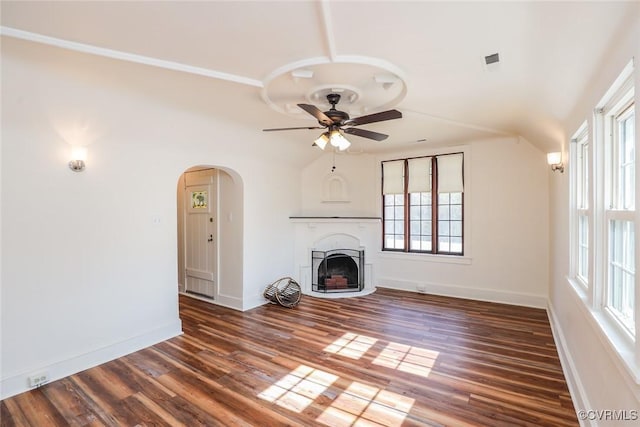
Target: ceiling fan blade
x,y
366,133
376,117
303,127
313,110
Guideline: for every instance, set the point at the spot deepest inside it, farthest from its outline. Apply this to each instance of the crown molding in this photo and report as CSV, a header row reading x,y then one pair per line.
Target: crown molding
x,y
125,56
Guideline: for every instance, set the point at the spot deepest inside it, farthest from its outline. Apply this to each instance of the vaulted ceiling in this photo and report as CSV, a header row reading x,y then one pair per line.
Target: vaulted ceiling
x,y
426,59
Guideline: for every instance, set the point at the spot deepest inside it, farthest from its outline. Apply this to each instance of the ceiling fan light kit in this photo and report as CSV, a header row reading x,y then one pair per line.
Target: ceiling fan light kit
x,y
333,137
322,140
338,140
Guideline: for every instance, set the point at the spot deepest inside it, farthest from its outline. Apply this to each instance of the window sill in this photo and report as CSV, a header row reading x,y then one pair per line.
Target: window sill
x,y
618,345
419,257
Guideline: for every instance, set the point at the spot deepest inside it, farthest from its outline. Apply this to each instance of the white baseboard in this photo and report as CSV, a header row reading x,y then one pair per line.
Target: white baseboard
x,y
576,389
233,303
254,301
19,383
490,295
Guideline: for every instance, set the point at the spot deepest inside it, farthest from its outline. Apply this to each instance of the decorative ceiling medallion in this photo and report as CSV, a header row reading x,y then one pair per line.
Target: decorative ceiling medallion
x,y
366,85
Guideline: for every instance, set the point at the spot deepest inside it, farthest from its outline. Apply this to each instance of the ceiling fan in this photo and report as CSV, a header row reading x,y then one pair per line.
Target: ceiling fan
x,y
336,122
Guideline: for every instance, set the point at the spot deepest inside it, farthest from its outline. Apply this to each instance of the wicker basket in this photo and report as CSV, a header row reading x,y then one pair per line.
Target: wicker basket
x,y
284,291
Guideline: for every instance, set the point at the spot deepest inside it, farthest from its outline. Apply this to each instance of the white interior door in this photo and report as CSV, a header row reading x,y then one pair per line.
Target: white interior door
x,y
201,241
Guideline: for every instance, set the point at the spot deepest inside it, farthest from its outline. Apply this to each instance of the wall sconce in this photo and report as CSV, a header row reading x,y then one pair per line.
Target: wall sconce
x,y
78,158
555,161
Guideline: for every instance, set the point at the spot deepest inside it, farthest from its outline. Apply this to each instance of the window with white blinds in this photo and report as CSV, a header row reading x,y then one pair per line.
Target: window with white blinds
x,y
423,204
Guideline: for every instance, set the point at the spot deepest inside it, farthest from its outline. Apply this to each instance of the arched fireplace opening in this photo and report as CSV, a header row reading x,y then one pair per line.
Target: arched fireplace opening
x,y
338,270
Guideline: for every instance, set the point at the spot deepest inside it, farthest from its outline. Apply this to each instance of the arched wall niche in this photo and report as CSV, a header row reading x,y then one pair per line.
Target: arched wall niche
x,y
335,188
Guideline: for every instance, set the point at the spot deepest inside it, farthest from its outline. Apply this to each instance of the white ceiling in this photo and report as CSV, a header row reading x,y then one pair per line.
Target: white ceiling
x,y
548,52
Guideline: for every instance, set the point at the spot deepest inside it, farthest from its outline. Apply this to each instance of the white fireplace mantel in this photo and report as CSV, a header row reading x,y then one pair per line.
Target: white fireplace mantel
x,y
335,219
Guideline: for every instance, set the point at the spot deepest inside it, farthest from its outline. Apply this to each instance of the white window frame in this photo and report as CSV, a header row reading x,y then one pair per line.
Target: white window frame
x,y
621,101
447,170
603,207
465,259
581,205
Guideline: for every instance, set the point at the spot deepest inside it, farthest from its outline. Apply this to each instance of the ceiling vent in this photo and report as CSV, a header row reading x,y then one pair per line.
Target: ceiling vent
x,y
492,59
491,63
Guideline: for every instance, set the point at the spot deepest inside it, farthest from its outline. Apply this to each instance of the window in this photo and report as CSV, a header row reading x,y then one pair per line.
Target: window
x,y
580,242
603,219
394,221
624,159
423,200
620,283
394,201
620,213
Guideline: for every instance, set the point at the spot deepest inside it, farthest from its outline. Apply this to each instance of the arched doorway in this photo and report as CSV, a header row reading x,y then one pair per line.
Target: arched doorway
x,y
210,227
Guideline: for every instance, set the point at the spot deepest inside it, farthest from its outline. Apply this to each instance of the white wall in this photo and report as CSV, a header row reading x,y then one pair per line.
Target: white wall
x,y
506,211
89,259
230,223
597,379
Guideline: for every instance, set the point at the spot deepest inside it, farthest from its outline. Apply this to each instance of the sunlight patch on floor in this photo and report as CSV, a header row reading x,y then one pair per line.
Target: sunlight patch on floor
x,y
351,345
362,404
299,388
405,358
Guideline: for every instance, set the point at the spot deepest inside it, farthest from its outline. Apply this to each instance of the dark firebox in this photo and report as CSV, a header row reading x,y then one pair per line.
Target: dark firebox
x,y
338,270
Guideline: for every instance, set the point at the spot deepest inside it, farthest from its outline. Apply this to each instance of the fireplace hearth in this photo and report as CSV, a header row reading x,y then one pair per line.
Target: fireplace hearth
x,y
337,270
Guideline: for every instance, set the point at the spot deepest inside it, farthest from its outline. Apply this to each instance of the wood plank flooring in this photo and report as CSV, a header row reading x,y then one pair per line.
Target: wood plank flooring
x,y
391,358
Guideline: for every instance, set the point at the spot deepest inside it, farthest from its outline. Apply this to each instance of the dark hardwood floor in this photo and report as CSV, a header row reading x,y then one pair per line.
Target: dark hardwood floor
x,y
392,358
